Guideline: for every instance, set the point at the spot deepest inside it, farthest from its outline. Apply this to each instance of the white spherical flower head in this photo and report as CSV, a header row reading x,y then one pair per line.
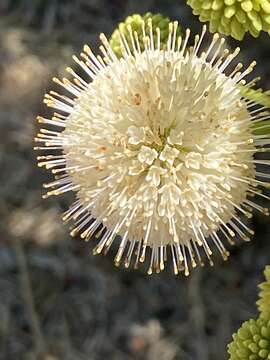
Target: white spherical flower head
x,y
159,147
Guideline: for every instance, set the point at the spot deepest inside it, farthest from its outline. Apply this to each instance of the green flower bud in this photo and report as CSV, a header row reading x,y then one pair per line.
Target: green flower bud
x,y
258,95
234,17
135,21
263,98
252,340
264,295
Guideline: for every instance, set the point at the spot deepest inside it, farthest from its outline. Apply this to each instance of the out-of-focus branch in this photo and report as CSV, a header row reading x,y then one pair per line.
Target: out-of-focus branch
x,y
197,315
26,288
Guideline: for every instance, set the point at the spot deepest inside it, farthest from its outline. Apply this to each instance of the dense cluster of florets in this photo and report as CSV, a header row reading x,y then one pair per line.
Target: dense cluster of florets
x,y
252,341
264,294
234,17
159,147
135,23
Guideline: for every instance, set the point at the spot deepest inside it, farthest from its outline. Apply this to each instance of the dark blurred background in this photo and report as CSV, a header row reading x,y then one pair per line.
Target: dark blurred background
x,y
57,301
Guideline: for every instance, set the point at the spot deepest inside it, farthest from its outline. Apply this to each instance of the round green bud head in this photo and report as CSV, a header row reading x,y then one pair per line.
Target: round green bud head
x,y
234,17
260,97
252,341
264,302
136,22
256,95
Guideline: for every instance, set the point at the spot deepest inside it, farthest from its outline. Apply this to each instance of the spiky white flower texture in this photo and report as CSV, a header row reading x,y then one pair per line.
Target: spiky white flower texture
x,y
159,148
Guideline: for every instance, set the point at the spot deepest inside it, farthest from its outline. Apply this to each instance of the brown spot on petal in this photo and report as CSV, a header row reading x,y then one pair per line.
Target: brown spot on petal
x,y
137,99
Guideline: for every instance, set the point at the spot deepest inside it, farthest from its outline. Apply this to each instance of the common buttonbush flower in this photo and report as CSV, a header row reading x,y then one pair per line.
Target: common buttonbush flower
x,y
234,17
252,341
158,146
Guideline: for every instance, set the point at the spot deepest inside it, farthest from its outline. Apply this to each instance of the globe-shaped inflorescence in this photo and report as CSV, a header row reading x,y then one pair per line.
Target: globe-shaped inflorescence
x,y
135,22
234,17
158,146
264,295
252,341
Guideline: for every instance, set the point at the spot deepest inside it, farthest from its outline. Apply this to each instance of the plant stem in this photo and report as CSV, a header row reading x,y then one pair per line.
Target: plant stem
x,y
26,288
